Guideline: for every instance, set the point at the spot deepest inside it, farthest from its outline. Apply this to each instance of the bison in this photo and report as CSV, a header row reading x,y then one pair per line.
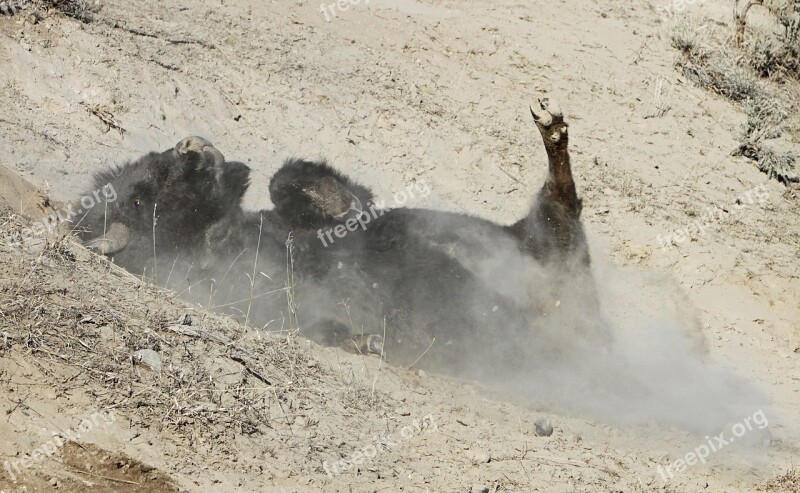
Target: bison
x,y
443,291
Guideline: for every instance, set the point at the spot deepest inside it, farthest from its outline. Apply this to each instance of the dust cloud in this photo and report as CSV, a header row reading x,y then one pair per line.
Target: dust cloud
x,y
620,345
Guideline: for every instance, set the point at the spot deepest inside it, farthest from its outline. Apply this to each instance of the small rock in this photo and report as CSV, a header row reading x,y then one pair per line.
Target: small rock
x,y
479,488
54,482
543,427
148,358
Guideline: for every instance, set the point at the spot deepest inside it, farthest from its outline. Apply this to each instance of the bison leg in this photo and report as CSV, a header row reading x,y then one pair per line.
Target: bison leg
x,y
552,232
559,186
211,155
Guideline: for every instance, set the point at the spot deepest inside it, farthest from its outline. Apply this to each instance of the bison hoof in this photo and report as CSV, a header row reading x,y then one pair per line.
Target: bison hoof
x,y
213,158
549,119
374,344
192,144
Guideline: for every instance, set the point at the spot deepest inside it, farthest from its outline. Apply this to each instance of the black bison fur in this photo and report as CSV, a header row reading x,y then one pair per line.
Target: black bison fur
x,y
447,290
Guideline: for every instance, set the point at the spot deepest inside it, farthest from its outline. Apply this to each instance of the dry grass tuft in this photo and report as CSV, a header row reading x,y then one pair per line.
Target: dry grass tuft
x,y
771,53
79,9
67,308
710,60
765,119
781,166
789,483
709,64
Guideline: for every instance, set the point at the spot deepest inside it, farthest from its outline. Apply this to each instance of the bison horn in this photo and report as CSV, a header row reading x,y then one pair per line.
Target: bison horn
x,y
333,198
115,239
354,210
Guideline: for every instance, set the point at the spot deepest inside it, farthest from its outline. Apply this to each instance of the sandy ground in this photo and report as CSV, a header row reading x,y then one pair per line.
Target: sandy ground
x,y
393,92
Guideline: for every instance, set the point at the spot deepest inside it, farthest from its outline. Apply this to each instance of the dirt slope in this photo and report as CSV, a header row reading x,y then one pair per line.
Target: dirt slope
x,y
390,92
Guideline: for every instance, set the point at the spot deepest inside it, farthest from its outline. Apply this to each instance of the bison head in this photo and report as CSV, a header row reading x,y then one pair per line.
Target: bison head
x,y
163,204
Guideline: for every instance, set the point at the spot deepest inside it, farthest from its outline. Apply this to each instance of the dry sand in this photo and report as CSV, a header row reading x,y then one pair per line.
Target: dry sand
x,y
389,92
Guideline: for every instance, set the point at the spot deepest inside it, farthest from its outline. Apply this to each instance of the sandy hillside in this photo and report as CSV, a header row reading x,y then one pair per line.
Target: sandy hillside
x,y
391,92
